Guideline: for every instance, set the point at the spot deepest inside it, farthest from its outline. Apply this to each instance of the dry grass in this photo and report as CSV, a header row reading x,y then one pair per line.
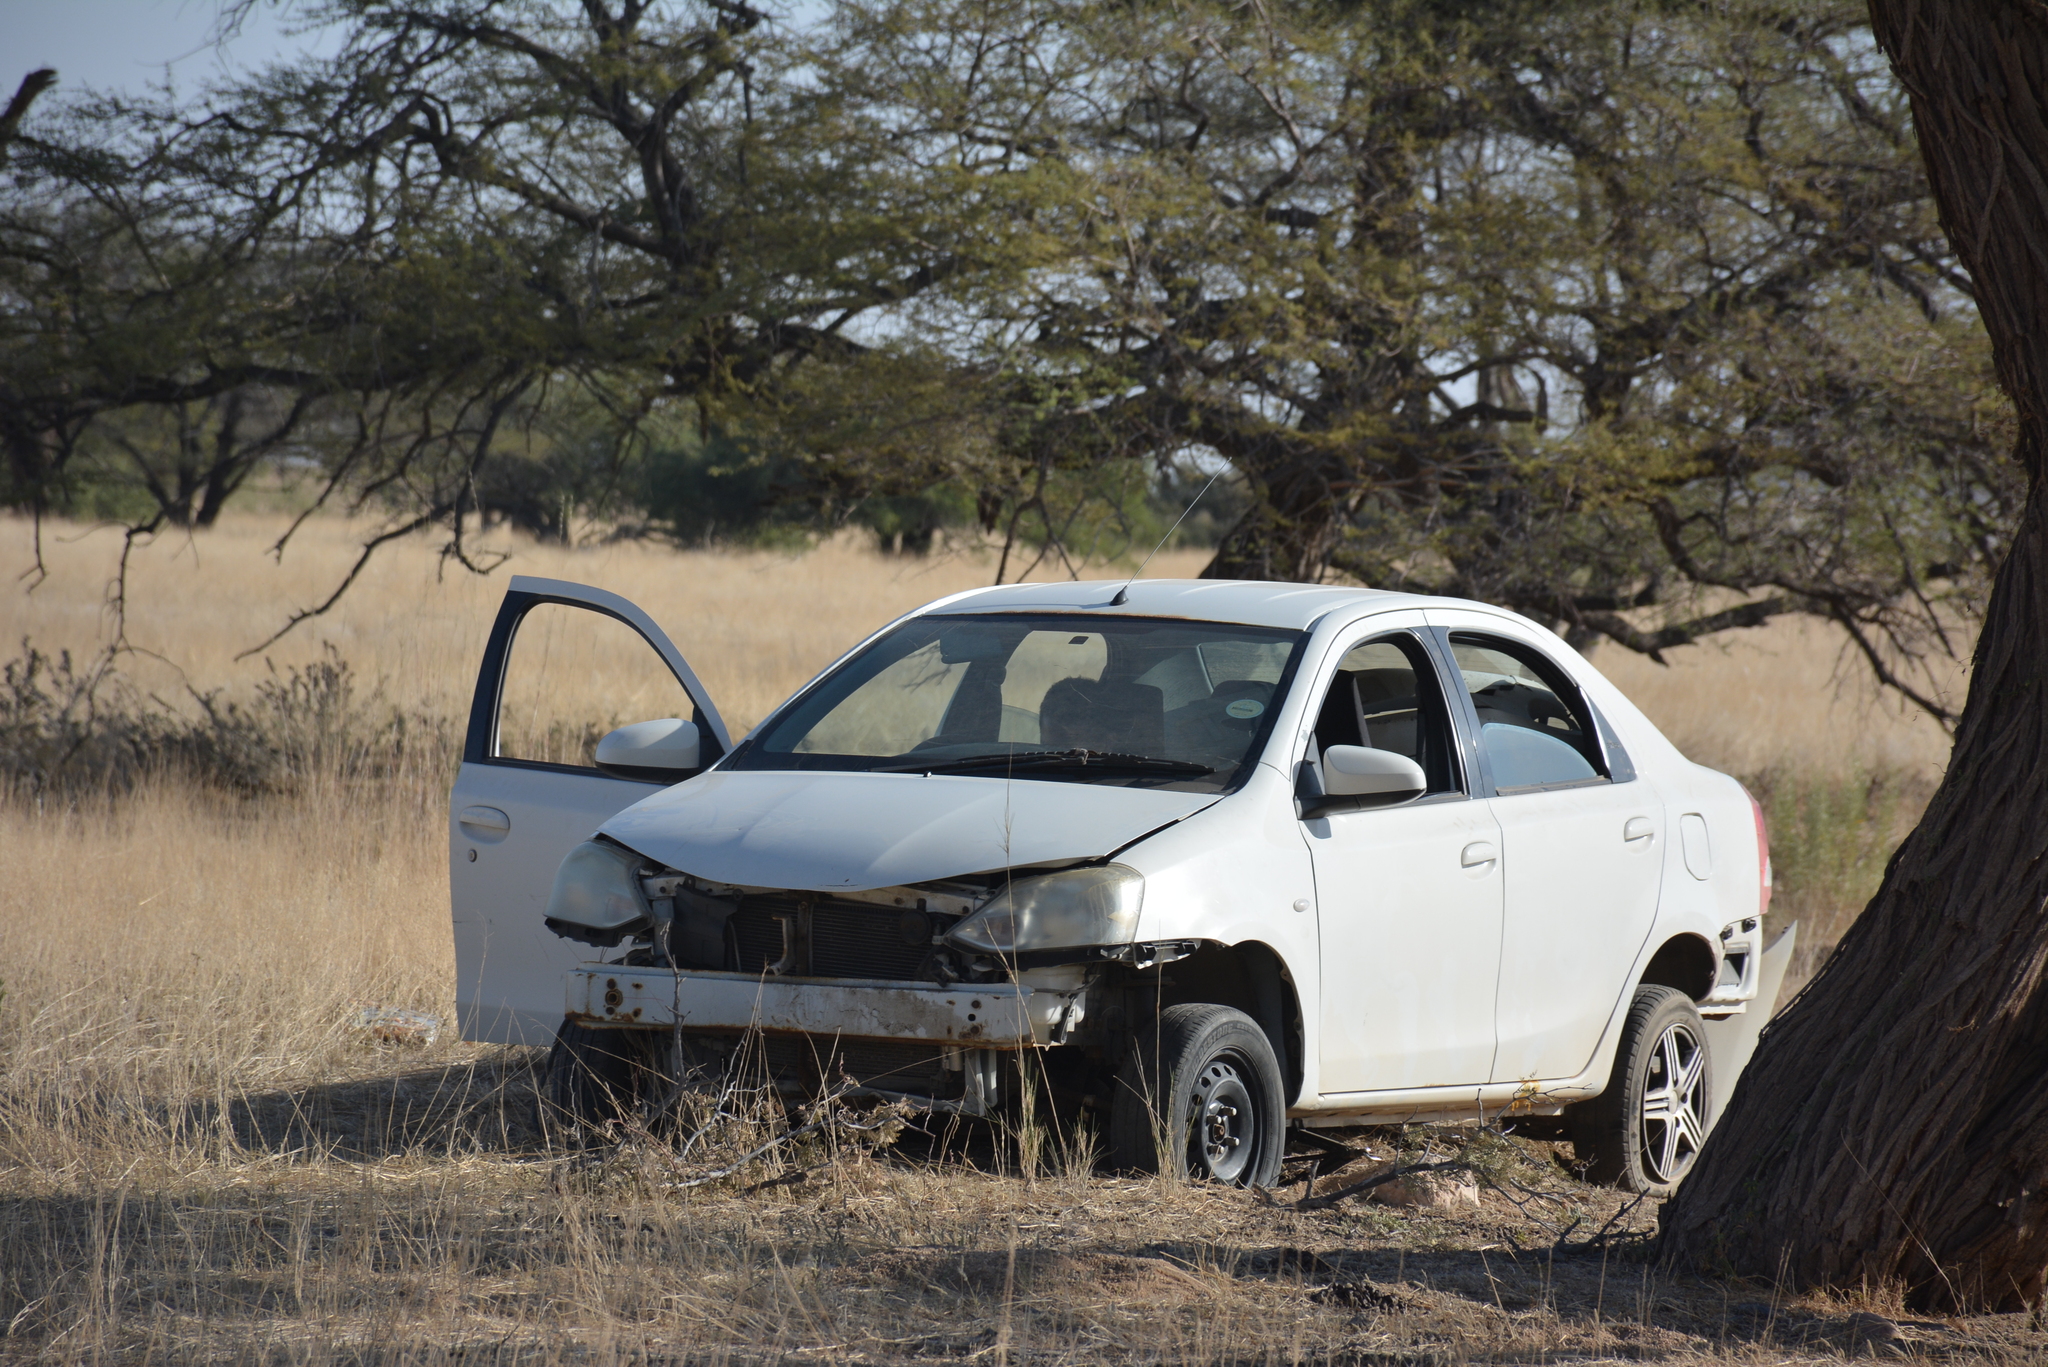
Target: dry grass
x,y
756,624
753,624
200,1158
1789,697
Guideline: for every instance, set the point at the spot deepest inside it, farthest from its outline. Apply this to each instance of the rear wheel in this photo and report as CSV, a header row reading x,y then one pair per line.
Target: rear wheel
x,y
1643,1133
1199,1096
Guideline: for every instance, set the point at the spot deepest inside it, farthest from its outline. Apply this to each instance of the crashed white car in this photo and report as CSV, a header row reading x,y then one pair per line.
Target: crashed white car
x,y
1201,860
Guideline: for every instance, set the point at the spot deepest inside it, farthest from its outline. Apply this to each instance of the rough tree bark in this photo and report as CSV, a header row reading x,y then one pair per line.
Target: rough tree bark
x,y
1893,1127
1296,521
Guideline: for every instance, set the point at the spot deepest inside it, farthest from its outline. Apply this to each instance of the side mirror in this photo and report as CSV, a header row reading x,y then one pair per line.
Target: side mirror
x,y
1355,777
664,751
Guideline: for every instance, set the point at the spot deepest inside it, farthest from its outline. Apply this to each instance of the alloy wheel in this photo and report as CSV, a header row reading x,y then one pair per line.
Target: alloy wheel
x,y
1674,1113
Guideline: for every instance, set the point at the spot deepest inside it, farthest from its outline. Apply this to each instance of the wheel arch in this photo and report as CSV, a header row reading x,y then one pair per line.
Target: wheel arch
x,y
1251,977
1686,962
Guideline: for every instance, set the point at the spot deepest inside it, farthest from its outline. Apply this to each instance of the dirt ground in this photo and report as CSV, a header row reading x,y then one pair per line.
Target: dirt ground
x,y
415,1215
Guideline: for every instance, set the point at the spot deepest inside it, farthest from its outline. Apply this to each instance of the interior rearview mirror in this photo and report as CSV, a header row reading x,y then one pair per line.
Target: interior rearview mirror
x,y
965,645
663,751
1354,777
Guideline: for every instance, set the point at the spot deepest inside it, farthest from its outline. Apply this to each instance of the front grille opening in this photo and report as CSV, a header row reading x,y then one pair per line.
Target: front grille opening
x,y
819,937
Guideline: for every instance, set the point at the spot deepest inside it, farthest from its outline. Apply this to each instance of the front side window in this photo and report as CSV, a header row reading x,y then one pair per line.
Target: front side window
x,y
1532,726
1054,696
1386,696
574,674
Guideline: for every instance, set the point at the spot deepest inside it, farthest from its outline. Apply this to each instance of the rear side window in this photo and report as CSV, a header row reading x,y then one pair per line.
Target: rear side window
x,y
1533,726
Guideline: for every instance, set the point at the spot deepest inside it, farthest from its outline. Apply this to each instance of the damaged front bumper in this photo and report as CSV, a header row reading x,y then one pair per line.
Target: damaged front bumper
x,y
973,1015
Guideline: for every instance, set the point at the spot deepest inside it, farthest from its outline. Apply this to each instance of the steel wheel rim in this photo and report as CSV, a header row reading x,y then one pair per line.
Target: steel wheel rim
x,y
1674,1105
1224,1123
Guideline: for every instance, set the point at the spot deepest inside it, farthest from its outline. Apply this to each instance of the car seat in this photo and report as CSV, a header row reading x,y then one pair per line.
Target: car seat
x,y
1093,714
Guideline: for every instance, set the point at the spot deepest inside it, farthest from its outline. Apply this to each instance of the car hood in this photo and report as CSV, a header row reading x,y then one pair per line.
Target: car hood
x,y
839,831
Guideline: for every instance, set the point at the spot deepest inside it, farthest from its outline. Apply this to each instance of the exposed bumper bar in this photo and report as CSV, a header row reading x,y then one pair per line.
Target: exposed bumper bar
x,y
980,1015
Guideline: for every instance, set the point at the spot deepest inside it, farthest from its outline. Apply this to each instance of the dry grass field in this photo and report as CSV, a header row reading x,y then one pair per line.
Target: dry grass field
x,y
201,1157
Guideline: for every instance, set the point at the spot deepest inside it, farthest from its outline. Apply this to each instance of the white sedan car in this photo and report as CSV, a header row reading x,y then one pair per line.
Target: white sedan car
x,y
1201,860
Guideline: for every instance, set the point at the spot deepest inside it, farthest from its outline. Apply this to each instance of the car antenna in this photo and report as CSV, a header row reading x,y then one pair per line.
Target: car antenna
x,y
1123,593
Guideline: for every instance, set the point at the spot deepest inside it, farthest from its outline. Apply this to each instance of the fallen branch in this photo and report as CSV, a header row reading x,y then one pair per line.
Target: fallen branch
x,y
1601,1239
795,1177
1391,1175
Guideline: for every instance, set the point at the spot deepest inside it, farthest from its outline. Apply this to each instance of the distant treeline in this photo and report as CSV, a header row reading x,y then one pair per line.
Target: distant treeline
x,y
1634,317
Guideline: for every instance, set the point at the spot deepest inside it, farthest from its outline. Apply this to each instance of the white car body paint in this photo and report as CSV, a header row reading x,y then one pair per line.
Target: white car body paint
x,y
524,818
1684,906
789,828
1408,945
1231,874
508,965
1374,985
1581,898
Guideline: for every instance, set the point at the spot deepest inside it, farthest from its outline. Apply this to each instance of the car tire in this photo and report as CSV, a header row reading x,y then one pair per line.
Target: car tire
x,y
1643,1133
1199,1096
592,1085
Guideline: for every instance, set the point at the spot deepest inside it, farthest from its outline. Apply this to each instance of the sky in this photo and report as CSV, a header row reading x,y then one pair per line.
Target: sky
x,y
127,44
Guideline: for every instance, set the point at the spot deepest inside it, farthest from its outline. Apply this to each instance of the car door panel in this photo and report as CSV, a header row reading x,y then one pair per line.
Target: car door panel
x,y
509,966
1581,902
1582,866
1409,918
511,821
1411,936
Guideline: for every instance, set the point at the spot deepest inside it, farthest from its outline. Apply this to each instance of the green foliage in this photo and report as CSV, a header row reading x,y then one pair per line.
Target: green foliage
x,y
1616,315
1589,310
908,523
725,490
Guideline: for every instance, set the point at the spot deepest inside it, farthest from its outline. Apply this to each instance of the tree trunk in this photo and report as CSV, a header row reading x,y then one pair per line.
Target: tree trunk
x,y
1302,497
1893,1127
1288,533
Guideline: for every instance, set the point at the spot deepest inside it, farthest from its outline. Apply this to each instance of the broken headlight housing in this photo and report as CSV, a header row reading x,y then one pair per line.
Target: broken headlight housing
x,y
597,898
1097,906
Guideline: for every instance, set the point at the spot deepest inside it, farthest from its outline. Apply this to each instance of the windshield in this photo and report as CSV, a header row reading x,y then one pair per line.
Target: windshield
x,y
1049,696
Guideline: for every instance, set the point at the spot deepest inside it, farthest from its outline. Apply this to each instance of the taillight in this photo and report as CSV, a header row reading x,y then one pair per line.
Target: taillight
x,y
1763,856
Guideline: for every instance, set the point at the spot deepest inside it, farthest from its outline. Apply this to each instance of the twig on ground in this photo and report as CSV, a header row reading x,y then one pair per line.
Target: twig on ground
x,y
1532,1196
1391,1175
1601,1240
830,1117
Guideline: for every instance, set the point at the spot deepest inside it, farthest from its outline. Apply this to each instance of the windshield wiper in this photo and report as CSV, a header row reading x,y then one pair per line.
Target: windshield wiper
x,y
1056,759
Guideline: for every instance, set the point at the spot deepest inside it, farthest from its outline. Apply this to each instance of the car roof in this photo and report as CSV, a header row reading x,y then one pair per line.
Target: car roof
x,y
1251,602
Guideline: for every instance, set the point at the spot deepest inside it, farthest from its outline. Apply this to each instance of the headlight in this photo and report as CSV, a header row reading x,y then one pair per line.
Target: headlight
x,y
597,899
1057,910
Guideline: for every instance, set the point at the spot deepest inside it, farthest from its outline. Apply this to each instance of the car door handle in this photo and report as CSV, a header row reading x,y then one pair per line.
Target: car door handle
x,y
1478,854
1637,828
484,819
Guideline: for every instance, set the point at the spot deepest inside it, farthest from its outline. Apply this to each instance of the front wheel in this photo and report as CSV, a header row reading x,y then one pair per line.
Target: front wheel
x,y
1199,1096
1643,1133
594,1081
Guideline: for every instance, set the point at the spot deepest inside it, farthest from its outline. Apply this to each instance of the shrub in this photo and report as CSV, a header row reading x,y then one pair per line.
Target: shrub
x,y
66,731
